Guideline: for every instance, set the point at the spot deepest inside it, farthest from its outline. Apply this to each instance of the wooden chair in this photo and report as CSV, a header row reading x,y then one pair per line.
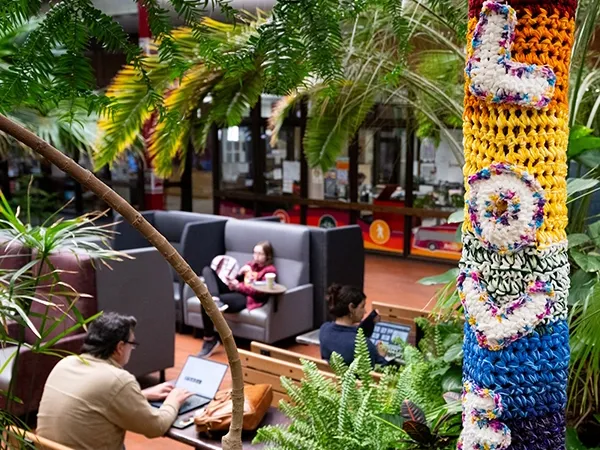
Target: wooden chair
x,y
402,315
260,369
39,442
286,355
294,358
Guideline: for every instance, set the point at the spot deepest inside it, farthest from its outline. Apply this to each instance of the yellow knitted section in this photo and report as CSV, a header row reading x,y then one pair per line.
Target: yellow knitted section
x,y
535,140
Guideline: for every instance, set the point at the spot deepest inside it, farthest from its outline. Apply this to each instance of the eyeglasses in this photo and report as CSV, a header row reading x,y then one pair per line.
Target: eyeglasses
x,y
133,343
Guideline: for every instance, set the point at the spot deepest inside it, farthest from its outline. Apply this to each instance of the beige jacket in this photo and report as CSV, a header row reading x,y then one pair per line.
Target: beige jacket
x,y
91,406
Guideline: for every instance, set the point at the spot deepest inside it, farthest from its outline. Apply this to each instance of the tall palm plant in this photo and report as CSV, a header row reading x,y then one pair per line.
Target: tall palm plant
x,y
204,94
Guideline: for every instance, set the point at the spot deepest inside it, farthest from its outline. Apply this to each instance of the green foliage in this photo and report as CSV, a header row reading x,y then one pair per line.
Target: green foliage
x,y
405,410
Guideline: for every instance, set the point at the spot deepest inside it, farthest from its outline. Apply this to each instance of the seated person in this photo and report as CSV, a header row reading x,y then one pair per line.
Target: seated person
x,y
90,401
238,293
347,305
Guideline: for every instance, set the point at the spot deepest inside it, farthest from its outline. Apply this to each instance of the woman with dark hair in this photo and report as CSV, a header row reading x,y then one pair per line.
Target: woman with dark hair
x,y
347,305
238,293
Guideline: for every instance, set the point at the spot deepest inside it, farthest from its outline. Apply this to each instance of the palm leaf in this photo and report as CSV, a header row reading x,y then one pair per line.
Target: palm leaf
x,y
168,140
119,126
280,113
333,121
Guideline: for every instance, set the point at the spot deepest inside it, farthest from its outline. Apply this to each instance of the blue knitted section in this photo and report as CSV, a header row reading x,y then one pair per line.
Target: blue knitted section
x,y
530,374
538,433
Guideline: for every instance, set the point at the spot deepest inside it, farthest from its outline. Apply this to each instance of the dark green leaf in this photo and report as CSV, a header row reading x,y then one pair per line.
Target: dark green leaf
x,y
573,442
581,144
454,353
393,420
577,239
588,263
594,232
582,284
452,381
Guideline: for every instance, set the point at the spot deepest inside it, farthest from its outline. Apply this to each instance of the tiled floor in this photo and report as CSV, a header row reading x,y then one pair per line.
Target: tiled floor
x,y
386,279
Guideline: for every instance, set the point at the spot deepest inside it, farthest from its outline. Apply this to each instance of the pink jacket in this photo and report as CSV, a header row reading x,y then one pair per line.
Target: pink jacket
x,y
254,299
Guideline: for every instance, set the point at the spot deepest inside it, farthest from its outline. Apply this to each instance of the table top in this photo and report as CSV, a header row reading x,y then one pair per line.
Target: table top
x,y
277,288
213,442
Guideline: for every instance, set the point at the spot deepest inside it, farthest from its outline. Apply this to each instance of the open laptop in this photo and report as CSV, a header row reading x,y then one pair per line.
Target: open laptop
x,y
202,377
388,333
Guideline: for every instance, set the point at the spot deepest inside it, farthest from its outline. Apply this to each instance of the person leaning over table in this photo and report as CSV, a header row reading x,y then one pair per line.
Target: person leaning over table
x,y
347,305
90,401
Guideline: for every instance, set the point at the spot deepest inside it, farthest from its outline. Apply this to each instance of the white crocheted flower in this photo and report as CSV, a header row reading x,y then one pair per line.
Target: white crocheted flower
x,y
497,326
506,207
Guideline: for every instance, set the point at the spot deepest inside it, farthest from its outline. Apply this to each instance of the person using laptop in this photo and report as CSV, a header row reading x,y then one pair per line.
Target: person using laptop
x,y
90,401
347,305
236,292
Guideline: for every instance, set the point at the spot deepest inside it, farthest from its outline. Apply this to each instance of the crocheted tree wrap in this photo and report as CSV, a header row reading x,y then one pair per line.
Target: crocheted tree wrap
x,y
514,277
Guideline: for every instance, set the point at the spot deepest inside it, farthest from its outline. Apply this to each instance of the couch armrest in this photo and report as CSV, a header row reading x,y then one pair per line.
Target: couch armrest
x,y
201,242
126,236
142,287
294,314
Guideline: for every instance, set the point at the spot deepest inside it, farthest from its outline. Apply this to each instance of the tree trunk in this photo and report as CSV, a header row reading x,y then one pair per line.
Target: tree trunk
x,y
233,439
514,277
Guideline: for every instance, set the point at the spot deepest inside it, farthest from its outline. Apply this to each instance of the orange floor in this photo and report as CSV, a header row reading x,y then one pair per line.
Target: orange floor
x,y
390,280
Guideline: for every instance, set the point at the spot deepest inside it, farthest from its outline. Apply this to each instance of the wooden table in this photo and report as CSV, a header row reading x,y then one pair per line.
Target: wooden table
x,y
190,437
276,290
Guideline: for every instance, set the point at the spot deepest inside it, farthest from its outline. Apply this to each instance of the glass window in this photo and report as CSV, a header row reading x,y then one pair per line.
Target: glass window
x,y
332,184
236,158
438,175
282,165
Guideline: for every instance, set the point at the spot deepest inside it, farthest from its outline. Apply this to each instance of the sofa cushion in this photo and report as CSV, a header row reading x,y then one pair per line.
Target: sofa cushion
x,y
291,247
256,317
78,273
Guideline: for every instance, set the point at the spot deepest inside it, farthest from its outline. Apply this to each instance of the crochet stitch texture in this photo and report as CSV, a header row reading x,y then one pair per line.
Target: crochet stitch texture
x,y
514,271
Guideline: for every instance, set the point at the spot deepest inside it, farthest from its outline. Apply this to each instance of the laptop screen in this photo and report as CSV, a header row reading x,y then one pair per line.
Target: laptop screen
x,y
201,376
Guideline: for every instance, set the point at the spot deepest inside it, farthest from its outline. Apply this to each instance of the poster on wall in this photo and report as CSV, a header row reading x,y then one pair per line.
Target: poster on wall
x,y
291,175
342,166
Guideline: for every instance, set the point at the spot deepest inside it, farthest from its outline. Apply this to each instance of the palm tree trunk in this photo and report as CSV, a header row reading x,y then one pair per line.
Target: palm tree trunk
x,y
233,439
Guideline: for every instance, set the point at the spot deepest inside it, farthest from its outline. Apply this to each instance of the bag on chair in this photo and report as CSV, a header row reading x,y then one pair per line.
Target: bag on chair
x,y
217,415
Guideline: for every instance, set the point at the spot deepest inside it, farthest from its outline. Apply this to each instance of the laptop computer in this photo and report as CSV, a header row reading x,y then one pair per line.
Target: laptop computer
x,y
389,333
202,377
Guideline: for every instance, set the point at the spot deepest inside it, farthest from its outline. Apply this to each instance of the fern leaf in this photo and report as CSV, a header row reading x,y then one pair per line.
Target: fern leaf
x,y
362,358
337,364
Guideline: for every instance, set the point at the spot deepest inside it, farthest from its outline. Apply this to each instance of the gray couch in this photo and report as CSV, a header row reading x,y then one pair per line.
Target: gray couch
x,y
188,232
284,315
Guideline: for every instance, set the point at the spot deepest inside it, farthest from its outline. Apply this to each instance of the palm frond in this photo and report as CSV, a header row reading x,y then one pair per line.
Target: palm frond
x,y
280,113
333,121
169,139
120,125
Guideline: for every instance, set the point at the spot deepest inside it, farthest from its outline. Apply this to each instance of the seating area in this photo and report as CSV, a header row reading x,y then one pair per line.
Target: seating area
x,y
141,283
308,260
